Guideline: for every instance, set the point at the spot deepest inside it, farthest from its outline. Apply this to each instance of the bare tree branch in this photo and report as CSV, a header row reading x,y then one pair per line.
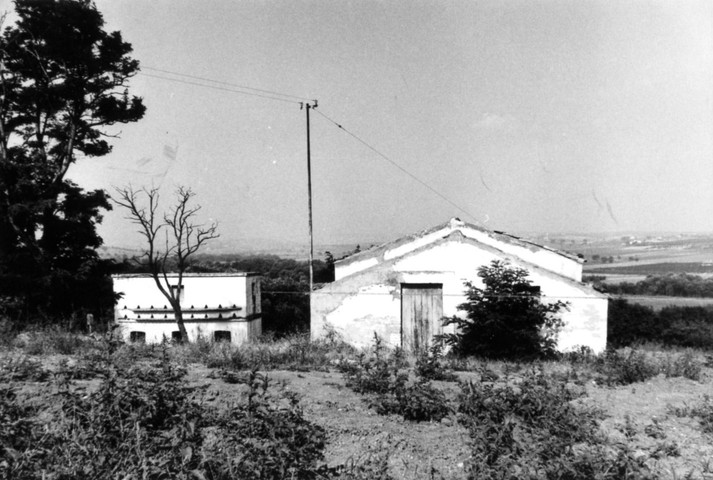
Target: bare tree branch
x,y
183,238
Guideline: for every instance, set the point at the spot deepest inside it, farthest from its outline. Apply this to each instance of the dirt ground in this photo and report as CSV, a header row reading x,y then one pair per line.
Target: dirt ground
x,y
438,450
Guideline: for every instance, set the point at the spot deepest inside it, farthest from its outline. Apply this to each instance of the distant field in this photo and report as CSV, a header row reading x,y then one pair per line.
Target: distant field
x,y
650,268
658,303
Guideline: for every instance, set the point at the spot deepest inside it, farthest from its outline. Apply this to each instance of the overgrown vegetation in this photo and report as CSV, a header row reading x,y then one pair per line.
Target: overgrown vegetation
x,y
670,285
145,420
524,420
430,364
293,352
534,429
380,376
507,319
703,411
627,366
629,324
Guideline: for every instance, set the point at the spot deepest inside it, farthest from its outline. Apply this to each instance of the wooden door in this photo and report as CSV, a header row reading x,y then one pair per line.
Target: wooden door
x,y
421,313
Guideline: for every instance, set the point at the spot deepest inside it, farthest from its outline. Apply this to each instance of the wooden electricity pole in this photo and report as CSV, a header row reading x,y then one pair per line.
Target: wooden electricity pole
x,y
309,106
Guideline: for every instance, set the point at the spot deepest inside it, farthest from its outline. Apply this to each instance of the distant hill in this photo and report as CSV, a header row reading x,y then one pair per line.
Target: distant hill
x,y
284,249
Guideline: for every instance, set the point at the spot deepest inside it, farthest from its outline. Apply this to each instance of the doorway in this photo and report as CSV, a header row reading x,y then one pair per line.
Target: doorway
x,y
421,314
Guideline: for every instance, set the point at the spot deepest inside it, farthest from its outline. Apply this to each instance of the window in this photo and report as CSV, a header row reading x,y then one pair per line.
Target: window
x,y
175,335
254,297
221,336
135,337
178,294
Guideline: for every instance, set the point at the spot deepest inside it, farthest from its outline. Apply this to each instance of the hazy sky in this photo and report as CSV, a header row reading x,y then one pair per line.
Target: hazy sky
x,y
530,116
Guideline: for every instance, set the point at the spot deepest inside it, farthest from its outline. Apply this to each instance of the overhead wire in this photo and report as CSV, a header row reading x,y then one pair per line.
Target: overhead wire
x,y
454,295
215,87
395,164
294,99
220,82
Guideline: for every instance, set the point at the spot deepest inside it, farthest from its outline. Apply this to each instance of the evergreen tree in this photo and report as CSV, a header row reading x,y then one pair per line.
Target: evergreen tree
x,y
63,81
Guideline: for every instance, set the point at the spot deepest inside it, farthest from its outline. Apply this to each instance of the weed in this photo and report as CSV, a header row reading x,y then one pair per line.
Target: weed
x,y
267,437
420,402
377,373
625,367
655,430
704,412
55,340
581,355
628,428
145,422
429,364
14,368
534,429
666,449
685,365
372,465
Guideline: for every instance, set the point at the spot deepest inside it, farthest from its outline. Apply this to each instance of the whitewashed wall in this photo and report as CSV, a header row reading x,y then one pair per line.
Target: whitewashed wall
x,y
369,301
210,303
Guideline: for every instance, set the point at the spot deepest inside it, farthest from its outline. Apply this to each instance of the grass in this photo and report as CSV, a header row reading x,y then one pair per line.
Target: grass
x,y
636,391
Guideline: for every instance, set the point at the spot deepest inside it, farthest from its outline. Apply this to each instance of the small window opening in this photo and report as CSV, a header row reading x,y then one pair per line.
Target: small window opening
x,y
178,294
136,337
221,336
175,335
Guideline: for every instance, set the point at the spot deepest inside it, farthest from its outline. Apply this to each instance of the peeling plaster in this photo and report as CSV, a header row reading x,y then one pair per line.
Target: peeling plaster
x,y
369,300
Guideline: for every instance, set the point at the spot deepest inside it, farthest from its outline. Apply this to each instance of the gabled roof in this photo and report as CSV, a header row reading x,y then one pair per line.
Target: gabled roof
x,y
563,263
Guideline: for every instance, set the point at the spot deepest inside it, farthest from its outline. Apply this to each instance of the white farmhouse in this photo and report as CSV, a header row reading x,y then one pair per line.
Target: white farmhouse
x,y
216,306
401,290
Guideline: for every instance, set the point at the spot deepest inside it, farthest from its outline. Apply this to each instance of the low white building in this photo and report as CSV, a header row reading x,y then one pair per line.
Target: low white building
x,y
216,306
401,290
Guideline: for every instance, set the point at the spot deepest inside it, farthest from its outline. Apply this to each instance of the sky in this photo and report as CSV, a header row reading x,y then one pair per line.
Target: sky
x,y
521,116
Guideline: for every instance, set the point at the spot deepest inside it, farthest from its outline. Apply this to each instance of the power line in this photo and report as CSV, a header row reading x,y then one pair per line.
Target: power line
x,y
178,80
206,79
454,295
414,177
283,97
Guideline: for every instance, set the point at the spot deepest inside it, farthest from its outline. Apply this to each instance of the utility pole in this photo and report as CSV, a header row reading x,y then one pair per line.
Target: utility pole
x,y
309,106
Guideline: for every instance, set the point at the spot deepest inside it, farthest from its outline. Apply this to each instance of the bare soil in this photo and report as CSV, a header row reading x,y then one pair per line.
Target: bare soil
x,y
438,450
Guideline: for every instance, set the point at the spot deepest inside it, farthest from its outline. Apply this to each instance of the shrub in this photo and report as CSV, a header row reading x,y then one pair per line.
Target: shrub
x,y
506,319
625,367
14,368
144,421
377,373
685,365
672,326
420,402
55,340
19,433
535,430
429,364
266,438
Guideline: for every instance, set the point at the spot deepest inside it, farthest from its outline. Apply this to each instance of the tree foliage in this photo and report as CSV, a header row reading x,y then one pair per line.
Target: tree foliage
x,y
670,285
63,83
284,289
507,318
630,323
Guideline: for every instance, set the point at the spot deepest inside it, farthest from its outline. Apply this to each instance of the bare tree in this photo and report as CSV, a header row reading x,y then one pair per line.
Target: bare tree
x,y
182,238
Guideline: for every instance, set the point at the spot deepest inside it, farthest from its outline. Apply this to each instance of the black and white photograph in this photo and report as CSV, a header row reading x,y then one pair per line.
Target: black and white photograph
x,y
356,239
